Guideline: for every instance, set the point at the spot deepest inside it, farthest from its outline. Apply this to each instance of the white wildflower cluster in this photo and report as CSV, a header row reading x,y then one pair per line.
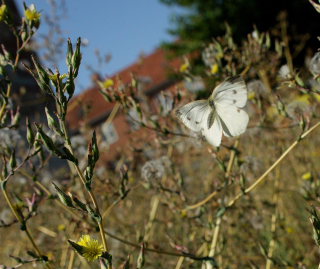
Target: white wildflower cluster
x,y
284,72
79,143
155,169
209,55
5,216
297,109
314,65
166,103
10,138
251,166
257,88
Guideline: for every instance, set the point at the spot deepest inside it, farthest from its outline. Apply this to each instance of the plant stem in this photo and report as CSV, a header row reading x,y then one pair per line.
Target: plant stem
x,y
204,201
215,237
274,165
213,194
272,242
71,261
179,263
285,39
83,181
19,218
138,246
154,207
216,231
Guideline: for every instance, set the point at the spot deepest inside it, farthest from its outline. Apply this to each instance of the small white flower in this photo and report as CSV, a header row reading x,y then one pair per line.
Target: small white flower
x,y
314,65
257,87
10,138
155,169
296,109
284,72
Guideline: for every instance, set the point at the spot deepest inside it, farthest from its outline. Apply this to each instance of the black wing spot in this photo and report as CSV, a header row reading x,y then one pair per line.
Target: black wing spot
x,y
234,91
197,122
234,101
188,118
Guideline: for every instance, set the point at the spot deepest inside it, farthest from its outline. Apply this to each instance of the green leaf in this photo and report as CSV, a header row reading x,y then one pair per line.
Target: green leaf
x,y
64,198
30,133
76,247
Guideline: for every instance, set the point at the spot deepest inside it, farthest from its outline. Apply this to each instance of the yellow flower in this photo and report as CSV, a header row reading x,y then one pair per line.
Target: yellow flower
x,y
32,14
92,250
251,95
290,230
184,67
107,83
184,213
3,12
61,227
214,69
307,176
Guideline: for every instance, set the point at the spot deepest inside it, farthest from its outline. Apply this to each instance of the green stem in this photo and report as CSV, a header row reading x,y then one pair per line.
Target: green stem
x,y
83,181
19,218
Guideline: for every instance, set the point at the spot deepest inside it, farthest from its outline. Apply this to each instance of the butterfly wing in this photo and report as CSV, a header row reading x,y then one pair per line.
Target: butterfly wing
x,y
232,91
233,120
194,115
214,133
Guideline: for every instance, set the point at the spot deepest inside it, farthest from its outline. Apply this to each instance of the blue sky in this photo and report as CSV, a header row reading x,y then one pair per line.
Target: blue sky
x,y
122,28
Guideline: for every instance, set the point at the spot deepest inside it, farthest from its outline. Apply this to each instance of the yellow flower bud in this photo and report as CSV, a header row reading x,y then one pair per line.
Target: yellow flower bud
x,y
3,12
251,95
214,69
61,227
184,67
307,176
107,83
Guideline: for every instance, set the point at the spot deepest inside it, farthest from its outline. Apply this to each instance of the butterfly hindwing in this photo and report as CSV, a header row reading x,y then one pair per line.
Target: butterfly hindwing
x,y
234,120
214,133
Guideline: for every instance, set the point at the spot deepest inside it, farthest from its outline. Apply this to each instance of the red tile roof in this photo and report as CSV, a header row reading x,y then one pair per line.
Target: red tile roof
x,y
155,67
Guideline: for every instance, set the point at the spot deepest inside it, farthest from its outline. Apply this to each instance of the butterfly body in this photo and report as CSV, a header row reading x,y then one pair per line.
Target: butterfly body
x,y
221,114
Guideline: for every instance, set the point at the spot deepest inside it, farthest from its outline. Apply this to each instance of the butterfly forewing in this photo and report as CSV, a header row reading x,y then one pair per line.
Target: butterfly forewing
x,y
194,115
232,91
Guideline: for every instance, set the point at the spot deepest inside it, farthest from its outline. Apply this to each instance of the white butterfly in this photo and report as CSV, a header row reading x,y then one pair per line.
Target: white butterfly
x,y
221,113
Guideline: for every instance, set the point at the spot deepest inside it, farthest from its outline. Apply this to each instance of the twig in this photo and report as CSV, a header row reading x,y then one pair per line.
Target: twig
x,y
213,194
219,218
274,165
153,212
22,222
272,242
71,261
